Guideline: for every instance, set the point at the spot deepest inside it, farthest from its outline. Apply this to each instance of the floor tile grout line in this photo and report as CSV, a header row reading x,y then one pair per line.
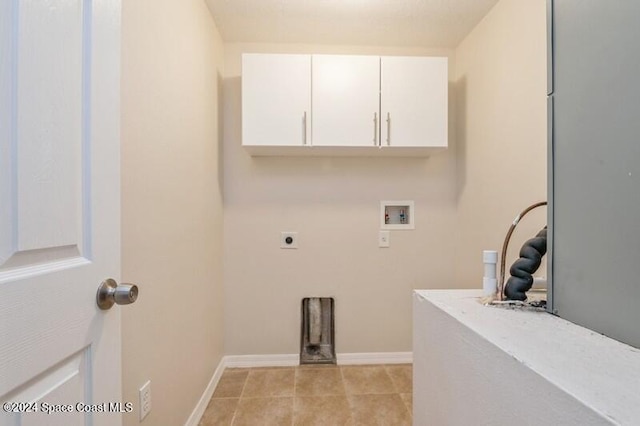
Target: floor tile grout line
x,y
293,405
235,412
406,406
393,382
347,394
397,388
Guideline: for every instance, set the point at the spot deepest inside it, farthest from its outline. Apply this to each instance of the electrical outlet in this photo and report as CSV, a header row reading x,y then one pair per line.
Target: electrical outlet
x,y
383,239
289,240
145,399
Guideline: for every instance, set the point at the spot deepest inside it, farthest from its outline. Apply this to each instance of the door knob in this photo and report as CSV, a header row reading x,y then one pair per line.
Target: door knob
x,y
109,293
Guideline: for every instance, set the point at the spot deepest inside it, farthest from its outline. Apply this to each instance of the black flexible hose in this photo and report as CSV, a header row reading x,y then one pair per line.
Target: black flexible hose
x,y
521,279
505,244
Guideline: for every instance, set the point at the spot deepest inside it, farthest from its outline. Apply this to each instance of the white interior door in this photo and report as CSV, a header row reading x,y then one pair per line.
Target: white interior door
x,y
59,210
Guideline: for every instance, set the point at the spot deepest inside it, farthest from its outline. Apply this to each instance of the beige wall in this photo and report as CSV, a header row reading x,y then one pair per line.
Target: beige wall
x,y
466,198
333,203
500,81
171,204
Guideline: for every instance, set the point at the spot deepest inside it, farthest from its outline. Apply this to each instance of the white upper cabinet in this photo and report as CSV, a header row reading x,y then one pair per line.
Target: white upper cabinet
x,y
346,100
276,100
344,105
413,101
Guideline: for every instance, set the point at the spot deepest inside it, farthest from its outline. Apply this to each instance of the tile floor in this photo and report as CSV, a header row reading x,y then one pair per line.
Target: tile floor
x,y
313,395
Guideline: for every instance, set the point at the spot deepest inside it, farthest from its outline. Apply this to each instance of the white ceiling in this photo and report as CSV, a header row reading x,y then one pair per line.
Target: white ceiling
x,y
424,23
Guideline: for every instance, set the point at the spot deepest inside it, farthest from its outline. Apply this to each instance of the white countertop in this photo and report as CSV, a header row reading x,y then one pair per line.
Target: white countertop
x,y
600,372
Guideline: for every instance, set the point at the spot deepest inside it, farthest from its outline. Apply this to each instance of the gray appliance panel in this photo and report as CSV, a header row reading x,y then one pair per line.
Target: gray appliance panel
x,y
595,165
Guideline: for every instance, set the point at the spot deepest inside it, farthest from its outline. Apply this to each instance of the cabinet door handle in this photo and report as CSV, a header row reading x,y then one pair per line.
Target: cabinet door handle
x,y
388,129
304,128
375,129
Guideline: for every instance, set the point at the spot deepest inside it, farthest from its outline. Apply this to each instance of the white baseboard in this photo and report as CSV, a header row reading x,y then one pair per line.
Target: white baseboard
x,y
201,406
286,360
274,360
375,358
290,360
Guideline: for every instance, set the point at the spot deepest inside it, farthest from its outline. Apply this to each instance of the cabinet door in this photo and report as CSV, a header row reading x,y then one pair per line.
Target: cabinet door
x,y
346,100
413,100
276,99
